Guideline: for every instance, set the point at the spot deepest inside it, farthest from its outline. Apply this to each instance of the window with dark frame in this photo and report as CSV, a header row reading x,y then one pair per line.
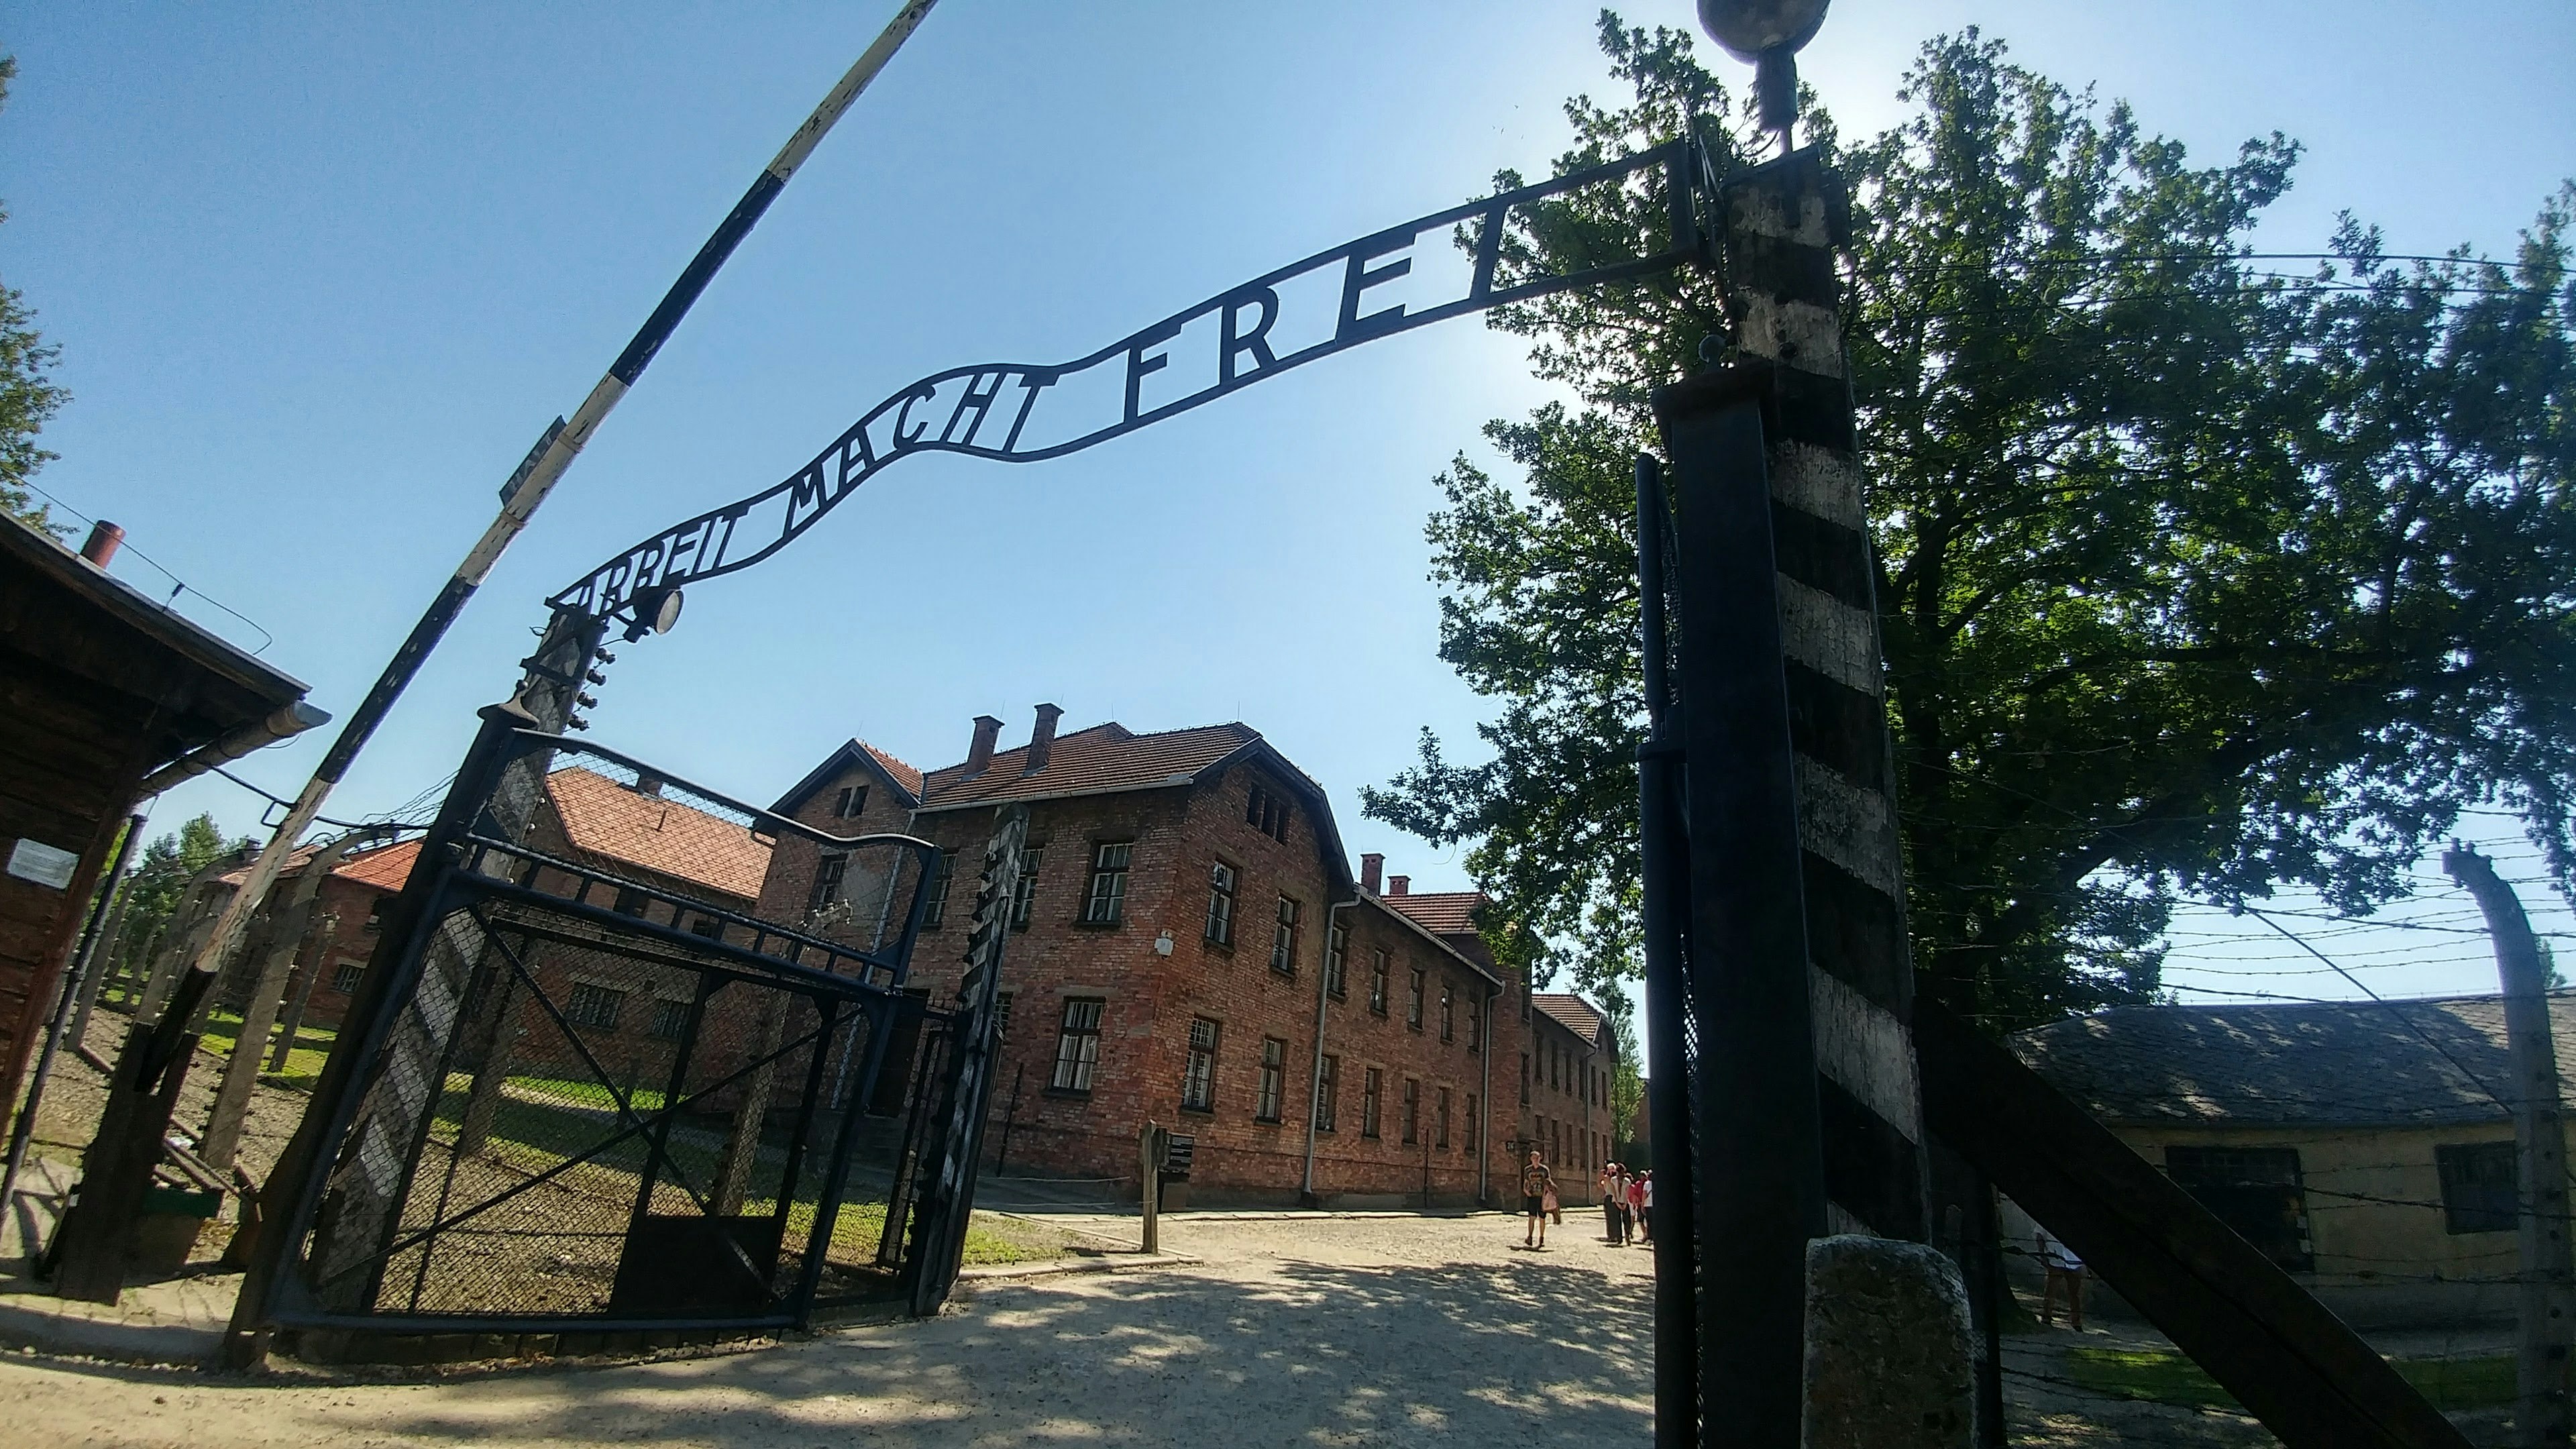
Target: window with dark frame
x,y
1283,938
1274,1079
2481,1186
1448,1012
1475,1029
1337,946
828,874
1377,982
1372,1090
1525,1078
1105,904
2257,1191
1413,1001
345,977
852,800
1024,895
1328,1092
1220,910
934,912
1440,1123
1472,1121
1412,1110
1198,1074
1077,1044
670,1020
594,1006
1267,813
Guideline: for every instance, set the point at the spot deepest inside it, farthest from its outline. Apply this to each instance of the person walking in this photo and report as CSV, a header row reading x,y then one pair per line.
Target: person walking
x,y
2066,1271
1538,1185
1646,1204
1638,1232
1614,1205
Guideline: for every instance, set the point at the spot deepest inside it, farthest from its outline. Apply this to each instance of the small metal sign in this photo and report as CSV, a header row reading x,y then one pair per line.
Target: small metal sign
x,y
44,864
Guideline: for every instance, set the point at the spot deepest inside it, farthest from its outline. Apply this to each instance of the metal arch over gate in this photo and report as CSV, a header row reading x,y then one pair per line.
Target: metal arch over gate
x,y
1300,313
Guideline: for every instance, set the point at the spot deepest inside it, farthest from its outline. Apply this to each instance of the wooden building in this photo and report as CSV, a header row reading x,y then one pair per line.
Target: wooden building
x,y
100,688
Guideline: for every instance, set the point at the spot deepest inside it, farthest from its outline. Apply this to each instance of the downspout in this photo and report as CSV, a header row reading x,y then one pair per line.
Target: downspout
x,y
1315,1072
1485,1103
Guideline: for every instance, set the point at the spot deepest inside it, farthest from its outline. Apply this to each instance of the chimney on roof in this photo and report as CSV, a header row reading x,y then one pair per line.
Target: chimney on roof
x,y
1397,885
1372,865
103,539
647,783
1042,738
980,753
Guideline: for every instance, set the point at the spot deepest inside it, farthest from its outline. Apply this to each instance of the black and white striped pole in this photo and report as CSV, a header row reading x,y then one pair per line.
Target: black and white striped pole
x,y
537,475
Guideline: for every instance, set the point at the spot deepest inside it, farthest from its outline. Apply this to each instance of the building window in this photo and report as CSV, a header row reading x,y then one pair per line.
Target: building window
x,y
1475,1028
1328,1091
1525,1078
1472,1120
827,880
2481,1187
934,914
852,800
1105,904
1077,1045
594,1006
376,915
1337,945
1267,813
670,1020
1377,982
1448,1011
1220,912
631,901
345,979
1372,1091
1025,893
2255,1190
1274,1079
1283,939
1440,1124
711,927
1413,1001
1198,1078
1412,1110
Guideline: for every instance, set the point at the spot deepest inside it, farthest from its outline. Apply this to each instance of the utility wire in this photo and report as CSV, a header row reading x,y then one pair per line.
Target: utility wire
x,y
2411,1024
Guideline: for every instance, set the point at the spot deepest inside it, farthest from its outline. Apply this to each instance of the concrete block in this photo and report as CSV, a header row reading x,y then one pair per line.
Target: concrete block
x,y
1889,1353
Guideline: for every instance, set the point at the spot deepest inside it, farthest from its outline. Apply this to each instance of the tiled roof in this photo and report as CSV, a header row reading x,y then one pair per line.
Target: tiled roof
x,y
1571,1012
1443,913
296,860
904,775
385,868
1101,759
605,818
2342,1063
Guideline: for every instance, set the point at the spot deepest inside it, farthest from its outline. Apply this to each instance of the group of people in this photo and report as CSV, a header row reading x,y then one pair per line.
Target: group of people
x,y
1627,1203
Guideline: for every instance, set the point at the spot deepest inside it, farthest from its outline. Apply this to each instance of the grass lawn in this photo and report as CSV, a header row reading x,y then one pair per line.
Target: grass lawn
x,y
303,1060
2170,1378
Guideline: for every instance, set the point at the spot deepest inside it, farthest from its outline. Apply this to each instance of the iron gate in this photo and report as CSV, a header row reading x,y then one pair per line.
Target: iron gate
x,y
603,1096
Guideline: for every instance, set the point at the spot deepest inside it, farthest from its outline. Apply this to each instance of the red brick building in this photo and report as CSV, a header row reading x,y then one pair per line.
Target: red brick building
x,y
1192,949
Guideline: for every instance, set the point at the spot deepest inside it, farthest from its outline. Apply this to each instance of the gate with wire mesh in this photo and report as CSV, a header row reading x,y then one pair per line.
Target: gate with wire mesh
x,y
604,1093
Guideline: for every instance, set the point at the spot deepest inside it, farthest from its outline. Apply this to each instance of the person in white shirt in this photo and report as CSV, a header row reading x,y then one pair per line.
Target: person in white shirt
x,y
2066,1271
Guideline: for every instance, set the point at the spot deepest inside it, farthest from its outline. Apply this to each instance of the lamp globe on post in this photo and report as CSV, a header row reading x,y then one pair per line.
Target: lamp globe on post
x,y
1768,33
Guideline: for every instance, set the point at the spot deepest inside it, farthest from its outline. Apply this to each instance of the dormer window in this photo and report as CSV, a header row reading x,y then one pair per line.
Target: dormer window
x,y
852,800
1267,813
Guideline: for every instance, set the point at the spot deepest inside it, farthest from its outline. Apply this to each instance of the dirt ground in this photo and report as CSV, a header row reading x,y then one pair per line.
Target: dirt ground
x,y
1329,1331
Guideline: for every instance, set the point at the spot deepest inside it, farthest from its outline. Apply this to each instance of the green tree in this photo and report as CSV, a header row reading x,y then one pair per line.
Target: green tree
x,y
28,396
2199,574
158,882
1627,1086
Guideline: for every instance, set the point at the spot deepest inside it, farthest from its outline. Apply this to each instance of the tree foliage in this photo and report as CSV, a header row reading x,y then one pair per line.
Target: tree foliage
x,y
2200,573
159,881
28,396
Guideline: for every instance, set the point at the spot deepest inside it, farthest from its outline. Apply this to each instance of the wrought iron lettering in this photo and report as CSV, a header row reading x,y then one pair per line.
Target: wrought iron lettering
x,y
1355,293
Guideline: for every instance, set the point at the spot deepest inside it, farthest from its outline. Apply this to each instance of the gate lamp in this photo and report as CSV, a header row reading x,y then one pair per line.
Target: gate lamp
x,y
1768,33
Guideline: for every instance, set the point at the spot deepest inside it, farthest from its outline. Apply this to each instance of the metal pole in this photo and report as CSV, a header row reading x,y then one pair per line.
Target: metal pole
x,y
536,477
2548,1278
1315,1076
1665,890
82,960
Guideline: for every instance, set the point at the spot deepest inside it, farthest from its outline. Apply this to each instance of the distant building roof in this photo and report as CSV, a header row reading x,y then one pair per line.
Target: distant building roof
x,y
608,819
1443,913
385,868
2361,1063
1100,760
1572,1012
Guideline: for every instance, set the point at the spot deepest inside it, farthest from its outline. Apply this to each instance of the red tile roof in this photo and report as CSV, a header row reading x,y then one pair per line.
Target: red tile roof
x,y
385,868
904,775
605,818
1103,758
296,860
1571,1012
1442,913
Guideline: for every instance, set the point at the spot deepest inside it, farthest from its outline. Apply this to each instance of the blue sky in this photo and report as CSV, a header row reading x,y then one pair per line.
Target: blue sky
x,y
320,274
